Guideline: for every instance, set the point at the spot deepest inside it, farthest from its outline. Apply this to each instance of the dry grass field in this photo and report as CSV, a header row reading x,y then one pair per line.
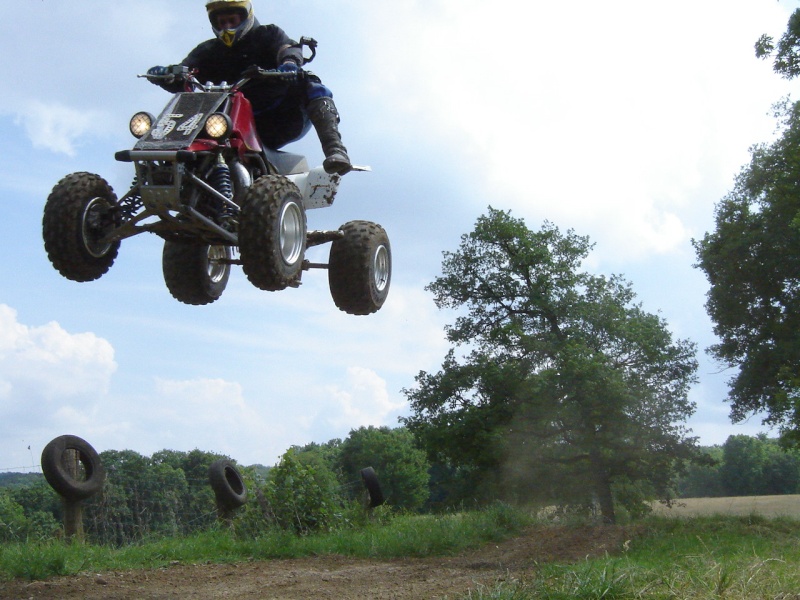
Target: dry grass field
x,y
766,506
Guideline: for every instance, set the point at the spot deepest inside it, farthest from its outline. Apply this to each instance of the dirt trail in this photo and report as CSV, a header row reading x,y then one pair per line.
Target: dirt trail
x,y
336,577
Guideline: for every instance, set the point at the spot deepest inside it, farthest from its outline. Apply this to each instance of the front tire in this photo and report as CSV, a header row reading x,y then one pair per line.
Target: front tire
x,y
195,274
79,212
360,268
272,233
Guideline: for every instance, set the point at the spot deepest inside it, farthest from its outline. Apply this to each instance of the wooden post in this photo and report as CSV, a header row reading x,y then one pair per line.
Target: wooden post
x,y
73,520
225,515
73,509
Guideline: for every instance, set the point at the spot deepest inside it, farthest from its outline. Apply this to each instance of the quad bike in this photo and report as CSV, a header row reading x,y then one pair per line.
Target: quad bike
x,y
206,184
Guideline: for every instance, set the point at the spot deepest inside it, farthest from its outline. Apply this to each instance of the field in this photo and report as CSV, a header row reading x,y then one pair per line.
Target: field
x,y
765,506
728,547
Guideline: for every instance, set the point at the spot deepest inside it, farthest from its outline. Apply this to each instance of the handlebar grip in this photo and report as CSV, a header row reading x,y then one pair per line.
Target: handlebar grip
x,y
259,73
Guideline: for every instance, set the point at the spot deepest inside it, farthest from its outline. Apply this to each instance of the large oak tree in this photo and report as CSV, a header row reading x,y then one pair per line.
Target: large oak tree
x,y
556,378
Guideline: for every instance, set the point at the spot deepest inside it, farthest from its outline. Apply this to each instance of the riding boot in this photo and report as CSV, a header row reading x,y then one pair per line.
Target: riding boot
x,y
325,118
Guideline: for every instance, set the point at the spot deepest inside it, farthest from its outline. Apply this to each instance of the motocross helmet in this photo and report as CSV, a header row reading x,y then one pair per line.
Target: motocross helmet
x,y
230,36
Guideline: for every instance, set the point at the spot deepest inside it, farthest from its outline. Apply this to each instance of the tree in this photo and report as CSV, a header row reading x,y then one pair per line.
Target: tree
x,y
743,466
786,57
757,466
753,265
562,376
139,498
197,495
401,467
752,262
702,477
303,492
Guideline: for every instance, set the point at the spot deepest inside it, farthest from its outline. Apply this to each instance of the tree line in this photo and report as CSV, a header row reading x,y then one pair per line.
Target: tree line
x,y
314,487
742,466
317,487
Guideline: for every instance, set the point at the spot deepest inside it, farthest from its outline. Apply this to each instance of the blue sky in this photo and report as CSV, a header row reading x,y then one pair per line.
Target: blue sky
x,y
624,120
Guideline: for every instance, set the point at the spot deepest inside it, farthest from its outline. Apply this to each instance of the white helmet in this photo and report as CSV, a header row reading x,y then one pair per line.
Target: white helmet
x,y
230,36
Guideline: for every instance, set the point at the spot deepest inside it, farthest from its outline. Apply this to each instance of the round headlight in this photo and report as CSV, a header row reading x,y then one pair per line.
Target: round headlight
x,y
140,124
217,125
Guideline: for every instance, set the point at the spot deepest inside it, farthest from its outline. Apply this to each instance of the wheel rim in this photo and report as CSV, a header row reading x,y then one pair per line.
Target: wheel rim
x,y
381,267
292,235
92,227
216,265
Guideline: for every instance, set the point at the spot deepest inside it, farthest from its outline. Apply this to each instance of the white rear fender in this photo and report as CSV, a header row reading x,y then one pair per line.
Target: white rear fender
x,y
317,187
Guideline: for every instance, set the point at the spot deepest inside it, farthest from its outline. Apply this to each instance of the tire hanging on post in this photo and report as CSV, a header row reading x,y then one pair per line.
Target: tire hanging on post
x,y
228,485
60,476
373,487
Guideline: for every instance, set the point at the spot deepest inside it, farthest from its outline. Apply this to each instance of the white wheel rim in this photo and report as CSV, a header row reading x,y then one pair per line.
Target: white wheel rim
x,y
216,267
89,231
291,233
381,267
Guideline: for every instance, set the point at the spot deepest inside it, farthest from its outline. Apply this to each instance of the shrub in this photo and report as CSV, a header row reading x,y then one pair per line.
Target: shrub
x,y
302,494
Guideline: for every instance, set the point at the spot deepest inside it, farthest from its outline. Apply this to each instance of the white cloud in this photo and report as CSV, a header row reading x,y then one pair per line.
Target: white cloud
x,y
56,127
51,382
364,401
46,365
211,414
615,119
199,401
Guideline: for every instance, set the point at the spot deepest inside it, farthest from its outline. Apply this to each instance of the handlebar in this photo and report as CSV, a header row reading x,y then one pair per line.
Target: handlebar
x,y
183,74
187,76
255,72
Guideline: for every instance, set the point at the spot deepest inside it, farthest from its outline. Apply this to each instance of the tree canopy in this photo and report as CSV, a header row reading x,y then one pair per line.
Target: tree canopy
x,y
752,261
786,55
563,388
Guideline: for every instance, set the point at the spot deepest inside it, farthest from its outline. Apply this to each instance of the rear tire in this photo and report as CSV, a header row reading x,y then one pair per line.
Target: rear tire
x,y
360,268
79,211
272,233
193,272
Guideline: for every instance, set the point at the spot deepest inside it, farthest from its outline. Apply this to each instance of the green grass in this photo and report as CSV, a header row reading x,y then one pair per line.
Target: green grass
x,y
401,536
694,558
737,557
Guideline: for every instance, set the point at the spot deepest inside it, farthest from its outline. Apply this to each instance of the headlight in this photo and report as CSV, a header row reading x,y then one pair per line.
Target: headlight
x,y
218,125
140,124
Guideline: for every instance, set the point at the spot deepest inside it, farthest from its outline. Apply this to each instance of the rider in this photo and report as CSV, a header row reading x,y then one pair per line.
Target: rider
x,y
282,112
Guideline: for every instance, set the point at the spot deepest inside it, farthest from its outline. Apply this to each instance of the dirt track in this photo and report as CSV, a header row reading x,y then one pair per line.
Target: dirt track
x,y
335,576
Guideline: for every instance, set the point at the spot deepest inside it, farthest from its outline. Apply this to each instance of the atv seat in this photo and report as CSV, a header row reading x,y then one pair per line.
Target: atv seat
x,y
286,163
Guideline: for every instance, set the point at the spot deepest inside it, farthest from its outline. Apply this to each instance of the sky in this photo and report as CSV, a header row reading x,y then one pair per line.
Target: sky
x,y
625,121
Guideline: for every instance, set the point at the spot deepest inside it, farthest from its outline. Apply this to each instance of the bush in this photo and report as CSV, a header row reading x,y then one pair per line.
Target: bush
x,y
302,495
16,526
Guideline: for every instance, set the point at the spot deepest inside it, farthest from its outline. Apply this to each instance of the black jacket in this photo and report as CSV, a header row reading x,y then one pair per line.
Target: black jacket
x,y
266,46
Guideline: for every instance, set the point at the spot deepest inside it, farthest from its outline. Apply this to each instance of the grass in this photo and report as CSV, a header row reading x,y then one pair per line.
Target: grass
x,y
698,557
695,558
402,536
